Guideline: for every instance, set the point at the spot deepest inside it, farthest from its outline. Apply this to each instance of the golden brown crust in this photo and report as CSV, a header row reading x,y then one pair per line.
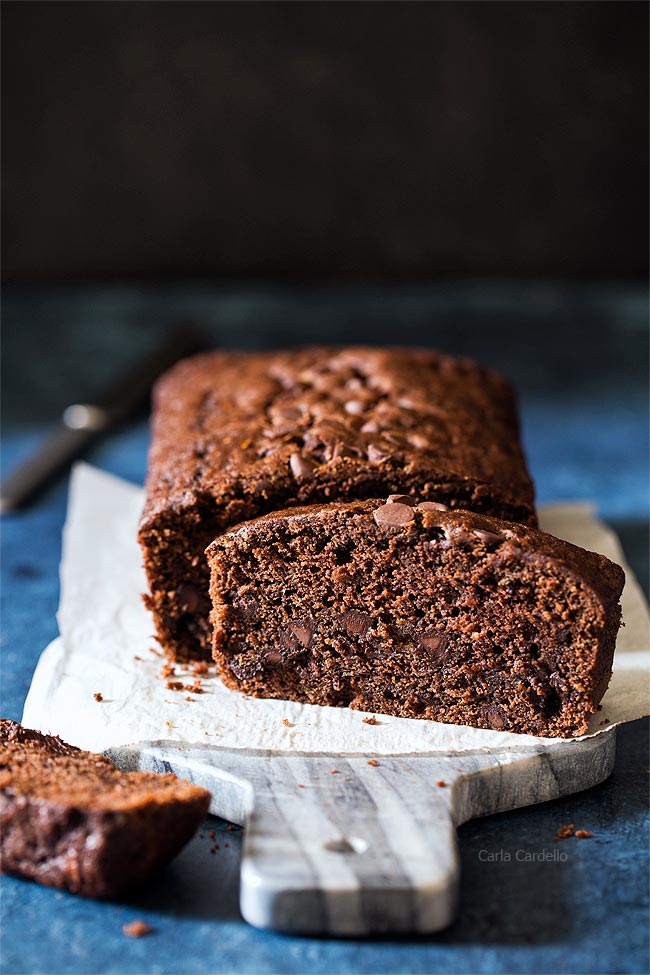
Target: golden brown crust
x,y
237,435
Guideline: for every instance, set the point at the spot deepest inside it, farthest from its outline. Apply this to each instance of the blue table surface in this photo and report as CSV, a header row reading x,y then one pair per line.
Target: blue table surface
x,y
578,356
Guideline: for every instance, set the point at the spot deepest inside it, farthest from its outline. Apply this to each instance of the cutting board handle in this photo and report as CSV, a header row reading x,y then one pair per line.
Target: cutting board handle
x,y
358,845
349,846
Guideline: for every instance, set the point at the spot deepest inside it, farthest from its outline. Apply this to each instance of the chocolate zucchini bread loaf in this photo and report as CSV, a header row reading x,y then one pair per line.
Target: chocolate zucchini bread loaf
x,y
417,611
70,819
236,436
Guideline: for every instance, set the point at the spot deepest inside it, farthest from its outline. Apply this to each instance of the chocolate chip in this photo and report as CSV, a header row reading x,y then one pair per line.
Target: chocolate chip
x,y
495,717
243,668
431,506
490,538
286,414
405,403
376,455
370,426
189,597
342,450
435,644
417,440
302,631
301,467
393,515
356,623
272,657
394,437
400,499
354,407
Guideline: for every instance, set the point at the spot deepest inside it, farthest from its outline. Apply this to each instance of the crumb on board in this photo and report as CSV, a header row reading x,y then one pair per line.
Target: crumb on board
x,y
188,698
167,670
194,688
300,785
373,762
155,652
135,657
372,720
230,827
583,834
200,667
168,724
334,771
441,783
175,685
137,929
563,832
98,696
287,723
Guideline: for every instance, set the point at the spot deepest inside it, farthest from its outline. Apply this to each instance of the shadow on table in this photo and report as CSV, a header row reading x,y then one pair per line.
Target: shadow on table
x,y
521,901
202,882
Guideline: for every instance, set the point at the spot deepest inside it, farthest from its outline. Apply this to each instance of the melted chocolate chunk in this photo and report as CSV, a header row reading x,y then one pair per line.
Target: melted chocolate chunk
x,y
393,515
301,467
356,623
495,717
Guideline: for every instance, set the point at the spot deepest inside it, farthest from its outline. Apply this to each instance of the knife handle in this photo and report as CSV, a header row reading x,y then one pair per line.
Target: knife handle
x,y
80,425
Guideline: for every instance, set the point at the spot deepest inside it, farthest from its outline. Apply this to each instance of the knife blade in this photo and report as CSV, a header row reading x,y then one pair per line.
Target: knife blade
x,y
83,423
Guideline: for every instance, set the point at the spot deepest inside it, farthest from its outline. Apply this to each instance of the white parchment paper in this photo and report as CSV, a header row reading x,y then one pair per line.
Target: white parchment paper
x,y
106,647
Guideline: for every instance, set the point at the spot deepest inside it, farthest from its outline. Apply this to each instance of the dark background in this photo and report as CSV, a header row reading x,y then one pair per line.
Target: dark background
x,y
346,140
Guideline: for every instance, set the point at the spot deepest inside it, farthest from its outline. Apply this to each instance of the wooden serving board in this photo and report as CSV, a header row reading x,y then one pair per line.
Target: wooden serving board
x,y
354,844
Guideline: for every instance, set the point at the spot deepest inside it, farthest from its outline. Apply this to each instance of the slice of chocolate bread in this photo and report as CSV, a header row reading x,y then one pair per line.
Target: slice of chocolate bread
x,y
236,436
416,611
70,819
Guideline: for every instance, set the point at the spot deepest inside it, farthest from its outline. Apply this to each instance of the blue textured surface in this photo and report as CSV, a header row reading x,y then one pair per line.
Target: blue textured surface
x,y
579,359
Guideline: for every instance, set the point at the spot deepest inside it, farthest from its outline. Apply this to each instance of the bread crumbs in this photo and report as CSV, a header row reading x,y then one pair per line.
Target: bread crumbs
x,y
137,929
200,667
583,834
563,832
372,720
98,697
373,763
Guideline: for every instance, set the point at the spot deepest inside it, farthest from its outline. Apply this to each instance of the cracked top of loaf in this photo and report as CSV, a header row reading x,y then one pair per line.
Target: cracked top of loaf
x,y
245,432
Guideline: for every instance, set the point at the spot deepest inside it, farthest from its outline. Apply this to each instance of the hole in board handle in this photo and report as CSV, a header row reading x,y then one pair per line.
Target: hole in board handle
x,y
346,845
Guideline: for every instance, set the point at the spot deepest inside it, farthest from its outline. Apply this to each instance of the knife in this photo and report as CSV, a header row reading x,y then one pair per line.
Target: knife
x,y
83,423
